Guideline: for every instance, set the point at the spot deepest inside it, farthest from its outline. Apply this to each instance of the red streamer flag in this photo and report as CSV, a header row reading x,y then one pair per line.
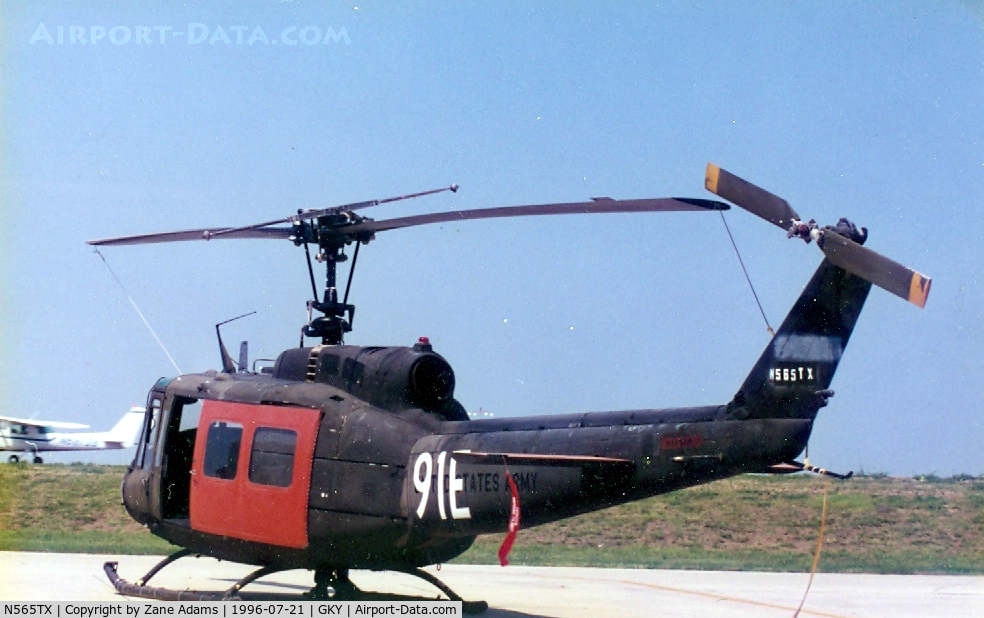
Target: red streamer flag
x,y
507,542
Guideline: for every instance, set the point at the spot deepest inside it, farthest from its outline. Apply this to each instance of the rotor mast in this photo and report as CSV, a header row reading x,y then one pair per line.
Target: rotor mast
x,y
337,319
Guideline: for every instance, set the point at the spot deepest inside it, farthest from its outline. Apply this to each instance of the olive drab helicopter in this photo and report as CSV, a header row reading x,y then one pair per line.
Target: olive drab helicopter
x,y
344,457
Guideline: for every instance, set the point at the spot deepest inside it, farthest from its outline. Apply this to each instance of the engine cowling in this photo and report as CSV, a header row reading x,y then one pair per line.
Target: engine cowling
x,y
391,378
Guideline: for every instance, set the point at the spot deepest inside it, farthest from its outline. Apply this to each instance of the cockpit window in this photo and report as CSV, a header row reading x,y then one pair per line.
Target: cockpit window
x,y
191,409
145,452
222,449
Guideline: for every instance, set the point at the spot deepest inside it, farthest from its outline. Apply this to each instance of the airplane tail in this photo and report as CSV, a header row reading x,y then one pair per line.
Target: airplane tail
x,y
125,431
792,376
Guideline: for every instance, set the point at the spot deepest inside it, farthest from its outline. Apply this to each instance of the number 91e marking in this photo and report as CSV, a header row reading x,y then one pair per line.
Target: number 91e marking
x,y
423,470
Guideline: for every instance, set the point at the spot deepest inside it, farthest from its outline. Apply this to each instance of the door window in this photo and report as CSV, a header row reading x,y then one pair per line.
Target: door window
x,y
271,460
222,450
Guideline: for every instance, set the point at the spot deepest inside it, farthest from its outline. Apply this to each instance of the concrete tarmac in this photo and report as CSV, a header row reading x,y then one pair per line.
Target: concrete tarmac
x,y
516,592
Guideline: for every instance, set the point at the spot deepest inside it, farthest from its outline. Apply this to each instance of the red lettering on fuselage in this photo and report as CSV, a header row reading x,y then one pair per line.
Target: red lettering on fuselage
x,y
675,443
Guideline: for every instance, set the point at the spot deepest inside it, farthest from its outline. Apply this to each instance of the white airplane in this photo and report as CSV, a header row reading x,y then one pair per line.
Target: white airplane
x,y
29,436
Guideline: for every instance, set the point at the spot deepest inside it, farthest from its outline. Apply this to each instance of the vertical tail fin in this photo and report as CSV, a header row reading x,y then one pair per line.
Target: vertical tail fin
x,y
792,377
125,431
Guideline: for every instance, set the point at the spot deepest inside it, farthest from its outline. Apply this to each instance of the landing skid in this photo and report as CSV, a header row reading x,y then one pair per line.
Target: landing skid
x,y
140,589
467,607
344,590
329,584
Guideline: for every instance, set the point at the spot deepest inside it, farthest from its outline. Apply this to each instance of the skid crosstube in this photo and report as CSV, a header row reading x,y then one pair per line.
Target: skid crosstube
x,y
337,579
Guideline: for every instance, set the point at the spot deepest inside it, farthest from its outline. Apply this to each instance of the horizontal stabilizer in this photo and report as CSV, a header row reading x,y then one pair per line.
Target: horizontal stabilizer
x,y
535,458
790,467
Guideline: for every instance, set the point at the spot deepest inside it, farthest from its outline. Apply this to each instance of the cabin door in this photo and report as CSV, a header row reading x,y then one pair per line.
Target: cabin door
x,y
251,473
171,484
140,475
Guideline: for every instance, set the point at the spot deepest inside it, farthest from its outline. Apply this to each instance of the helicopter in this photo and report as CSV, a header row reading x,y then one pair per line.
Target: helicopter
x,y
343,457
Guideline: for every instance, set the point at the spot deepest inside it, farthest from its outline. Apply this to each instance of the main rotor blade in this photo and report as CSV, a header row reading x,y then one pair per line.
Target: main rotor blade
x,y
202,234
596,206
754,199
876,268
334,210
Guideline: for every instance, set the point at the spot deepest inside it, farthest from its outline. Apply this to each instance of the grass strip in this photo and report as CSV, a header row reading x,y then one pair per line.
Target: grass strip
x,y
752,522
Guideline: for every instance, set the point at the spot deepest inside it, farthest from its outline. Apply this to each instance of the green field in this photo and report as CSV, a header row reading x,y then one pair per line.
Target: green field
x,y
882,525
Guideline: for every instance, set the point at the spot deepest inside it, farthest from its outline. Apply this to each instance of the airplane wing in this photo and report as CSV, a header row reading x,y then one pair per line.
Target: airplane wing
x,y
33,422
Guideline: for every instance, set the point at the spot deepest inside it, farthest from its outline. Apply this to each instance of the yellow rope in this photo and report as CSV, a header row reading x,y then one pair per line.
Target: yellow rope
x,y
816,556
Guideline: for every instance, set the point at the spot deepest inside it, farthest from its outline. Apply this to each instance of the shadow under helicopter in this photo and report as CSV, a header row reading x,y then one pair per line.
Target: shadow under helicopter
x,y
363,595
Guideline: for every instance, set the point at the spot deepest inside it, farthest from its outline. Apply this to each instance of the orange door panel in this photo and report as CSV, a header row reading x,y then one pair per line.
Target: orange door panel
x,y
251,473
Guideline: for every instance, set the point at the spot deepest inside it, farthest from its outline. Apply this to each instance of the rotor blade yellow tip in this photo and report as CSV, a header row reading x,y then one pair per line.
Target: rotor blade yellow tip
x,y
711,178
919,289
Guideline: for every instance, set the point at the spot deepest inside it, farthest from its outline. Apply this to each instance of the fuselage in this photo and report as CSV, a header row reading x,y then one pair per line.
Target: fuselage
x,y
295,468
346,456
19,438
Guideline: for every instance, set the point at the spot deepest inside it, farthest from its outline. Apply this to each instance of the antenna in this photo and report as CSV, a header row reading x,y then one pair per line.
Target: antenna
x,y
137,309
227,362
244,356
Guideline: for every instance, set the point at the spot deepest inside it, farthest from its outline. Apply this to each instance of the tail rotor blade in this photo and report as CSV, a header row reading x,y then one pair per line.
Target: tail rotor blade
x,y
839,249
754,199
876,268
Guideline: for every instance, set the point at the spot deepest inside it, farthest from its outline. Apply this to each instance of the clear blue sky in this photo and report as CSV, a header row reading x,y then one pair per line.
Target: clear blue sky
x,y
866,110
